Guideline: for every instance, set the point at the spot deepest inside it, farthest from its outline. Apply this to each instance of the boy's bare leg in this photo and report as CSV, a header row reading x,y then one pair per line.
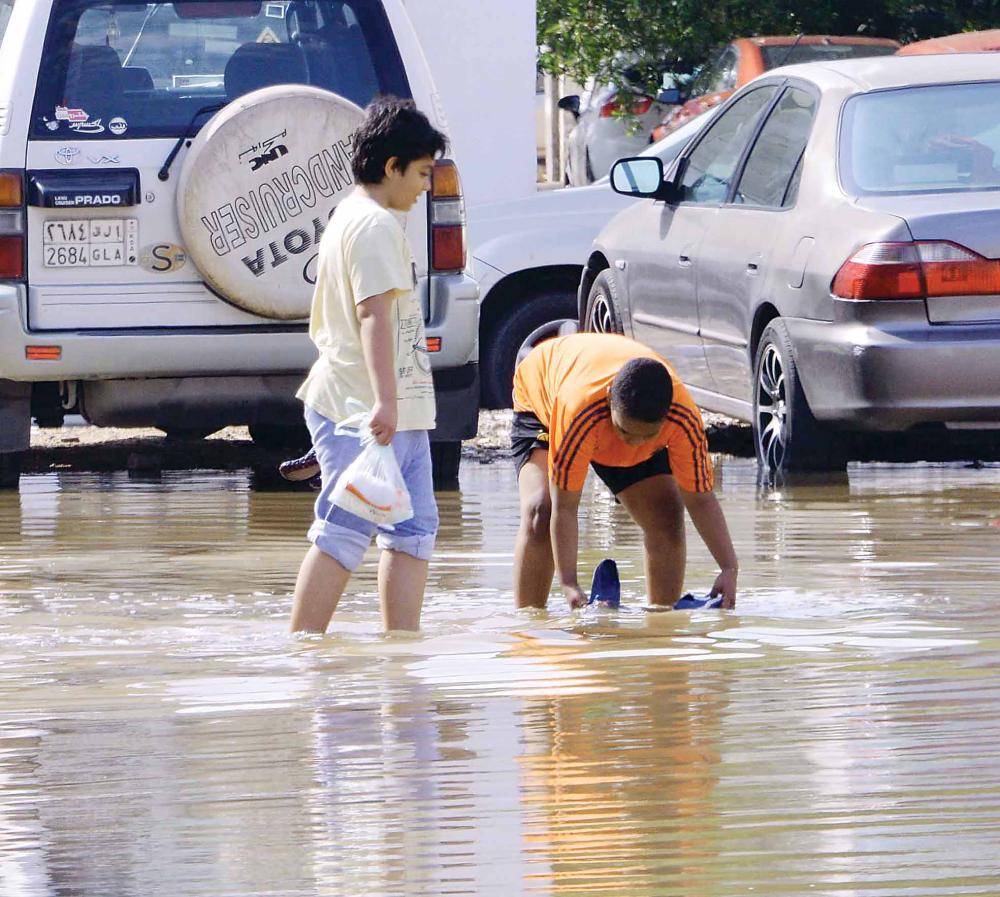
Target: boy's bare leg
x,y
402,579
534,565
320,584
656,505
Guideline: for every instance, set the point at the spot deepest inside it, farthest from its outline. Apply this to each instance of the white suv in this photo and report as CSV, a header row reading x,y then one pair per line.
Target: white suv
x,y
166,171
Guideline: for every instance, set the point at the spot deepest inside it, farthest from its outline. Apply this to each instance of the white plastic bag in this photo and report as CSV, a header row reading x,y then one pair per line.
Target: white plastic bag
x,y
372,486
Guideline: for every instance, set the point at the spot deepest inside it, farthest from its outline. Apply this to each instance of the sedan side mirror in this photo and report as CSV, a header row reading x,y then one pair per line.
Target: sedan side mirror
x,y
570,104
641,177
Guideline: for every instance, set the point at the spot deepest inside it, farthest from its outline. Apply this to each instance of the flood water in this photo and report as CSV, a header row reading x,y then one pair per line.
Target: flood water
x,y
161,734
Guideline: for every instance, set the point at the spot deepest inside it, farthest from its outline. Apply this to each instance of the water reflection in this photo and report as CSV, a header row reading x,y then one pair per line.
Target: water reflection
x,y
161,734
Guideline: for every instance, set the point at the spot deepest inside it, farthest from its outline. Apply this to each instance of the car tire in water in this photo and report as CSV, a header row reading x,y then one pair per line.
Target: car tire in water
x,y
787,437
603,312
446,457
499,350
10,469
281,437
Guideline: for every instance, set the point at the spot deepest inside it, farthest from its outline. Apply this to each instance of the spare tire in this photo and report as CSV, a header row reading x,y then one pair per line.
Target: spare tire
x,y
256,190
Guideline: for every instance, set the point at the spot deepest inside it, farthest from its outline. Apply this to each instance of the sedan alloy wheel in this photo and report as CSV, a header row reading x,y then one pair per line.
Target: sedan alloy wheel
x,y
786,434
771,410
602,314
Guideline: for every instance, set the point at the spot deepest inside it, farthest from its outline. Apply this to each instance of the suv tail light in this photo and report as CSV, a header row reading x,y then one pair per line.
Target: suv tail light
x,y
612,106
11,225
447,212
916,270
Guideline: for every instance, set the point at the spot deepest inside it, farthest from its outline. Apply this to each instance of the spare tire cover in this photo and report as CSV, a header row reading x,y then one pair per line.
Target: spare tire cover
x,y
256,190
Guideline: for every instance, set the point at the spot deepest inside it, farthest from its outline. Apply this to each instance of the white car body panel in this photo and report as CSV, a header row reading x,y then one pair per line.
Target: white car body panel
x,y
555,227
64,301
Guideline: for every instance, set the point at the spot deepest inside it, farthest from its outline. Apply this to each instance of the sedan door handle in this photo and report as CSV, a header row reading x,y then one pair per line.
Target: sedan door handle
x,y
752,268
684,261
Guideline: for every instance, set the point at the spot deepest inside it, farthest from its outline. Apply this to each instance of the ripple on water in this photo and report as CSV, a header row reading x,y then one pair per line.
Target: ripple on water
x,y
161,733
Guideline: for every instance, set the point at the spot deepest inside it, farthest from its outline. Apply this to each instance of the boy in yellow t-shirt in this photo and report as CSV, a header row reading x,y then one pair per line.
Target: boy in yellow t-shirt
x,y
367,324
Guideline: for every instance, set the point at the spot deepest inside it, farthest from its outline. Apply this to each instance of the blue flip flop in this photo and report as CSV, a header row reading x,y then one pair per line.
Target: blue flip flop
x,y
606,586
690,602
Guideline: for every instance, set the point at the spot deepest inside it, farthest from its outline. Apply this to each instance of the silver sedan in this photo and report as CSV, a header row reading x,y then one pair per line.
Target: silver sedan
x,y
825,257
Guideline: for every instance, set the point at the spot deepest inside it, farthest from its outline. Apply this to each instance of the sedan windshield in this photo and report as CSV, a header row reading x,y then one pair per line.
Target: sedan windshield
x,y
793,54
927,139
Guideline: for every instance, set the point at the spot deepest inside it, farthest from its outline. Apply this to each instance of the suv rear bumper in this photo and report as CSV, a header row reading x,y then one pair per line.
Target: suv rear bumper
x,y
135,353
177,377
213,402
874,378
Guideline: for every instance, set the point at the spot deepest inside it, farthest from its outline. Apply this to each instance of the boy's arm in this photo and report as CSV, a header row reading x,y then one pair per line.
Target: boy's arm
x,y
377,320
565,543
708,519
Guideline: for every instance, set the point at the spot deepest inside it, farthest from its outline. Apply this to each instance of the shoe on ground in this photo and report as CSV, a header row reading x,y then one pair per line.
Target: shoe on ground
x,y
690,602
606,587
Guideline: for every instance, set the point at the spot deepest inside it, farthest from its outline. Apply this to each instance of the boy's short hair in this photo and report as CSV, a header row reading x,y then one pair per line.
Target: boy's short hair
x,y
643,390
393,127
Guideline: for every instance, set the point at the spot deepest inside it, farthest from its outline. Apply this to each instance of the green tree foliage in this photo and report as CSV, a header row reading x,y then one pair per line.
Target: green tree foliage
x,y
639,40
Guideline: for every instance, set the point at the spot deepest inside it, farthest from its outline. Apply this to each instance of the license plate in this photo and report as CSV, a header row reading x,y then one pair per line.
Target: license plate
x,y
90,242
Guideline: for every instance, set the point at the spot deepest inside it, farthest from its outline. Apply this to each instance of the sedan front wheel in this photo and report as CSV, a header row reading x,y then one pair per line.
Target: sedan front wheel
x,y
786,434
603,314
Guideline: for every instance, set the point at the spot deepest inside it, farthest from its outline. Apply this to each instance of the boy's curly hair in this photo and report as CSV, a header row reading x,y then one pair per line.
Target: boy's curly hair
x,y
643,390
393,128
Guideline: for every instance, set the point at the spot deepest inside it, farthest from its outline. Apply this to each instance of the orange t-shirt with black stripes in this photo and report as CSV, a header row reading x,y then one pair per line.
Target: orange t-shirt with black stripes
x,y
564,382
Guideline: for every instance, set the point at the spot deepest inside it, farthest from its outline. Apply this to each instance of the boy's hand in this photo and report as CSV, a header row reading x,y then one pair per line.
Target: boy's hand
x,y
383,422
725,585
574,597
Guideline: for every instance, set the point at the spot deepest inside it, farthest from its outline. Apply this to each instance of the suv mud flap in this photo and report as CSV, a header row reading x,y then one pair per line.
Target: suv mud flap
x,y
457,394
15,416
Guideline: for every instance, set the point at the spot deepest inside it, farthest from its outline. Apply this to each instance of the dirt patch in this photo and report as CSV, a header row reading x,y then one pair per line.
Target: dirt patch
x,y
148,450
103,449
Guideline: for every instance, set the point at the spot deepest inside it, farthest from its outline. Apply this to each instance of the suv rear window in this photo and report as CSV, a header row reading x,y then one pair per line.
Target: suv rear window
x,y
922,139
144,69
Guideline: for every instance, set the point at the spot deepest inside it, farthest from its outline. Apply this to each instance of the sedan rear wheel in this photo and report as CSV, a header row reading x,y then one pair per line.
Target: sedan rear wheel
x,y
603,314
786,434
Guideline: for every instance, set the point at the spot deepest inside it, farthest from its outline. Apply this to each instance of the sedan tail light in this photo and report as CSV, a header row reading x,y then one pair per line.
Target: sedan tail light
x,y
641,107
11,225
916,270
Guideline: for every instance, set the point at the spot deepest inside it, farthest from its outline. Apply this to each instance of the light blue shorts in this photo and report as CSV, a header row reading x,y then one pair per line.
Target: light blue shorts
x,y
345,536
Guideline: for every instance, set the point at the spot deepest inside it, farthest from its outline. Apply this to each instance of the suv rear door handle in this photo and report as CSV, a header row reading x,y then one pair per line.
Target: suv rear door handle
x,y
684,260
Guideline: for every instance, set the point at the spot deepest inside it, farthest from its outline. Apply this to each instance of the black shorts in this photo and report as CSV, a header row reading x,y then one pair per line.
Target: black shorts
x,y
528,433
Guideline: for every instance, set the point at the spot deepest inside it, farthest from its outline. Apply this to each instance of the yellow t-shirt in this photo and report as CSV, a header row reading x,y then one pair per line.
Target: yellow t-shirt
x,y
364,252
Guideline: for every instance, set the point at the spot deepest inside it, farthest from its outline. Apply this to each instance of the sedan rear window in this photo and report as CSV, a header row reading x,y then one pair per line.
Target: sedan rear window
x,y
793,54
929,139
145,69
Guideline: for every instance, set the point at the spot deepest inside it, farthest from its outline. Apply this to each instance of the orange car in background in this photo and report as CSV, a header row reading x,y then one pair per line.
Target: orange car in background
x,y
747,57
966,42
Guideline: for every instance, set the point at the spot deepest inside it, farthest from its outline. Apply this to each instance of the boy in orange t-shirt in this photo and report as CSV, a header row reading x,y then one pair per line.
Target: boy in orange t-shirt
x,y
606,401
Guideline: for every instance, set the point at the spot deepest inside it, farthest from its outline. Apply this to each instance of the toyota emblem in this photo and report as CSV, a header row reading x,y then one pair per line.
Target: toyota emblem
x,y
67,155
